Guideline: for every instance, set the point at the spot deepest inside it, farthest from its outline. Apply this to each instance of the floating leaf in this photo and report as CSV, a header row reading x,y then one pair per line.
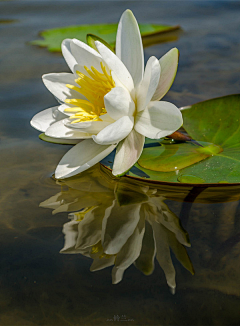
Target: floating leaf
x,y
216,121
151,34
172,157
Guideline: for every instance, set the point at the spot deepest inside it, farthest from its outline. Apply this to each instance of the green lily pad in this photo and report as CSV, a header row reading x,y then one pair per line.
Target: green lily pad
x,y
172,157
151,34
91,42
60,141
216,121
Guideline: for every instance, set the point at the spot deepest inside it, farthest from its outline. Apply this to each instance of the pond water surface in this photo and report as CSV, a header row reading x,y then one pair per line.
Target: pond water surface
x,y
39,285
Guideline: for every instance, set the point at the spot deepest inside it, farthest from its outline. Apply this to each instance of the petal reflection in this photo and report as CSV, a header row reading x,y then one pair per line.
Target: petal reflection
x,y
118,222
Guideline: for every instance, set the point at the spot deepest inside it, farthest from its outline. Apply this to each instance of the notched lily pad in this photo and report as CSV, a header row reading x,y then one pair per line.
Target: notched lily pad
x,y
217,122
151,34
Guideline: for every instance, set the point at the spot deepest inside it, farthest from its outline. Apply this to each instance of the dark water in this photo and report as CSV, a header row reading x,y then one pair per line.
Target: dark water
x,y
40,286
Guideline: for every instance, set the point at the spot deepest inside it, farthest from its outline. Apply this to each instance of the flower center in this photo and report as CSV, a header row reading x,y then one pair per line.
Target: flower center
x,y
94,88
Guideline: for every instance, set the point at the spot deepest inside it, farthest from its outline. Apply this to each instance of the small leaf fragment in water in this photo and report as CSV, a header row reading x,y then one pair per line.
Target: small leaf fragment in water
x,y
190,179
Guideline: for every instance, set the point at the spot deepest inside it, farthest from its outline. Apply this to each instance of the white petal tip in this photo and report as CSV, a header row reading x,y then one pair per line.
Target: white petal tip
x,y
119,173
109,249
172,289
116,281
97,43
62,172
81,157
128,11
175,51
117,275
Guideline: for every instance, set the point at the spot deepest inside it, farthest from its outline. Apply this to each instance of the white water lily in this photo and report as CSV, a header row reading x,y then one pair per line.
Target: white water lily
x,y
109,101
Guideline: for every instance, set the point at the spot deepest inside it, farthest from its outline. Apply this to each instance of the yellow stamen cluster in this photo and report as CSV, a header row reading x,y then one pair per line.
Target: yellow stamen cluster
x,y
79,216
94,88
98,249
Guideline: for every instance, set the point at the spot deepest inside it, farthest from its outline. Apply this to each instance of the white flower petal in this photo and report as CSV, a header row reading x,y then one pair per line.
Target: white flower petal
x,y
130,251
117,82
81,157
85,55
129,48
163,253
106,117
70,231
62,108
145,261
116,65
114,132
119,103
149,83
100,263
158,120
56,84
52,202
92,127
90,228
67,53
60,130
166,217
117,275
169,64
44,119
78,202
118,225
128,152
79,68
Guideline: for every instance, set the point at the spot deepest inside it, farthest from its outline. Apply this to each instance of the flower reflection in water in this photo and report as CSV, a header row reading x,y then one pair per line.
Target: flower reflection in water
x,y
118,222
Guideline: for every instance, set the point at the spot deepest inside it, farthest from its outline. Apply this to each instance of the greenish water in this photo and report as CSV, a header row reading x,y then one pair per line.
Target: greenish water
x,y
40,286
